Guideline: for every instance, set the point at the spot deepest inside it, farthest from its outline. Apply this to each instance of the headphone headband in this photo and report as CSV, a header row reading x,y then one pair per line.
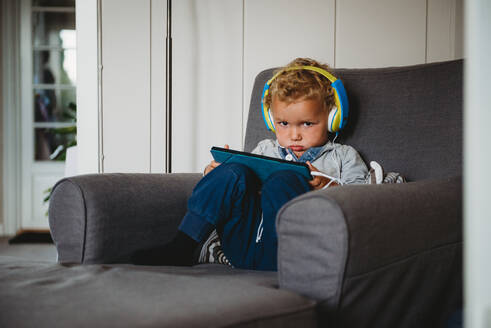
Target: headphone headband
x,y
336,121
319,70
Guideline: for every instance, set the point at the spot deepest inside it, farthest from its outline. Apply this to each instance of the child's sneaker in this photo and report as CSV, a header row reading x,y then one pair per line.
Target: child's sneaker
x,y
376,173
211,251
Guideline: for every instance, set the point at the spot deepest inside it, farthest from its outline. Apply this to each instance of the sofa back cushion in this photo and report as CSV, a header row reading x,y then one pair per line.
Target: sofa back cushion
x,y
409,119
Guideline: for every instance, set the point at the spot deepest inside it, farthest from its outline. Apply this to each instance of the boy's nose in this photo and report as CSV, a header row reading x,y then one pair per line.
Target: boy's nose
x,y
295,134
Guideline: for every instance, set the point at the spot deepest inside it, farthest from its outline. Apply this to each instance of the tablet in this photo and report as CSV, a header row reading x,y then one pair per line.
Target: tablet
x,y
262,166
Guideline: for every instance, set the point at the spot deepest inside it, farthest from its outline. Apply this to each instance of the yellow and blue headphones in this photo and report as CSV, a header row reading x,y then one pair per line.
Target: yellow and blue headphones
x,y
338,116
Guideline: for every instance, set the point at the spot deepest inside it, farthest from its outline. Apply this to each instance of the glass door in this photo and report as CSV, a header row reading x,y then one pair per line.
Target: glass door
x,y
48,49
53,78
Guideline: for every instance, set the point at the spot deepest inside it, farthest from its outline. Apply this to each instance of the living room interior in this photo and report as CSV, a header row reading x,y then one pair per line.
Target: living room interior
x,y
115,78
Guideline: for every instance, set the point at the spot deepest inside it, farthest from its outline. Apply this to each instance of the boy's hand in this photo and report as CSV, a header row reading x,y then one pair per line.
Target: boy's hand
x,y
213,164
319,182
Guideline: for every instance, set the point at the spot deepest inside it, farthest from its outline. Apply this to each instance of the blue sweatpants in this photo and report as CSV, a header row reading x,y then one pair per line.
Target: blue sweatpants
x,y
232,200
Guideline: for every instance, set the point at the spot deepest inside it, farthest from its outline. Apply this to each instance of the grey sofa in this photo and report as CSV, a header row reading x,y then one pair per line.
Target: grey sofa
x,y
350,256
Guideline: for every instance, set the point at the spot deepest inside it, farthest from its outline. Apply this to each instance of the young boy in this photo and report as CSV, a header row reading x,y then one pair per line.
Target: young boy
x,y
231,199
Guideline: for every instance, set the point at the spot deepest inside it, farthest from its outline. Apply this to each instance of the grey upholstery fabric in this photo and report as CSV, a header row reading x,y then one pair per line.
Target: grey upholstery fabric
x,y
409,119
41,294
367,244
104,218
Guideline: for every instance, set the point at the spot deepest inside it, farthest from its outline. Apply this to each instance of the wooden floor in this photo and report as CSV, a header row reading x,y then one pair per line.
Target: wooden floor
x,y
39,252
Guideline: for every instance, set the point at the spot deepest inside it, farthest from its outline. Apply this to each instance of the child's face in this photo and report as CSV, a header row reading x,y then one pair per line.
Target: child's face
x,y
300,125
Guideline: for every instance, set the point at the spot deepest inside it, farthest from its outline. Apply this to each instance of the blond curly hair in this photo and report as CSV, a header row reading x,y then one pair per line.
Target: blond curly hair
x,y
301,84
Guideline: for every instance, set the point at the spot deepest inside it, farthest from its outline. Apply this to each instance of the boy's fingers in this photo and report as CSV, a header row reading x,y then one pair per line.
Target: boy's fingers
x,y
211,166
315,182
312,167
318,182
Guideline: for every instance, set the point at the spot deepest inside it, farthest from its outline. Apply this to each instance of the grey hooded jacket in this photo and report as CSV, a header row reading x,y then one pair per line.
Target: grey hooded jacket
x,y
336,160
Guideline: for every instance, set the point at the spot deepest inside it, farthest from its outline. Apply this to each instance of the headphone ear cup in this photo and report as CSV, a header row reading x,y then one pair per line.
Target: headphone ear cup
x,y
331,120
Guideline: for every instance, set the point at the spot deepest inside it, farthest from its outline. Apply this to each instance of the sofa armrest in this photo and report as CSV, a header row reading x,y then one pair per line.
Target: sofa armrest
x,y
398,241
103,218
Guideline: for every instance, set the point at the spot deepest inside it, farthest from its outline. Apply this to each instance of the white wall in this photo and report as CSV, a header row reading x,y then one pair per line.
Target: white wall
x,y
1,122
445,30
477,156
220,46
277,31
88,137
126,85
380,33
207,80
157,82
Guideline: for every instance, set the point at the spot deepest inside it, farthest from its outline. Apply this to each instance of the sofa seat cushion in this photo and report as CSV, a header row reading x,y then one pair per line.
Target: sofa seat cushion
x,y
44,294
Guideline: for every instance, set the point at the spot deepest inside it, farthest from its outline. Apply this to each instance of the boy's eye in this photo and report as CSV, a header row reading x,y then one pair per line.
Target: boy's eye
x,y
283,123
308,123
